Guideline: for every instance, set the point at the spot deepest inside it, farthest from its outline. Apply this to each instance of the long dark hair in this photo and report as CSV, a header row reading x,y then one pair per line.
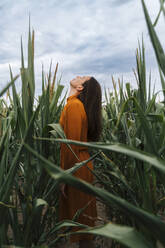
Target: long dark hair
x,y
90,96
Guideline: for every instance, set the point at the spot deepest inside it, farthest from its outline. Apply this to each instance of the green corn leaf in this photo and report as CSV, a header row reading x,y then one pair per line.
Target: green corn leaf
x,y
150,221
6,188
127,236
155,40
162,82
148,132
8,85
79,165
58,132
121,148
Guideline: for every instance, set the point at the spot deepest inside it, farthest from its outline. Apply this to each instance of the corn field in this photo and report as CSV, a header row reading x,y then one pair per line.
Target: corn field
x,y
129,160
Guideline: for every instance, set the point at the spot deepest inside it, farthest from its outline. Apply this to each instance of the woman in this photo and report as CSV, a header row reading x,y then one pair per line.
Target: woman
x,y
81,120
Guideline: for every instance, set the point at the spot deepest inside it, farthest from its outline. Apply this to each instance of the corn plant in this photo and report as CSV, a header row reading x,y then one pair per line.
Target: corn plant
x,y
28,195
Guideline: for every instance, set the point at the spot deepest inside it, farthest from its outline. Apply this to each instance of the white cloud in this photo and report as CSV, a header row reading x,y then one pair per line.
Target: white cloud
x,y
86,37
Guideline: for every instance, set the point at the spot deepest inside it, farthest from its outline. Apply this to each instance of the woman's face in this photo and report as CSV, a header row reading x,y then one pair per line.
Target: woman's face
x,y
78,82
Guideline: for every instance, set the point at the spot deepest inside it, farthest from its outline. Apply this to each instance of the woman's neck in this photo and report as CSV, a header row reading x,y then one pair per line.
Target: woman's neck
x,y
72,91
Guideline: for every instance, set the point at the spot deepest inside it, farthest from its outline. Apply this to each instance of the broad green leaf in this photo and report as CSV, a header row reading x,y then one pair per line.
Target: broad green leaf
x,y
8,85
120,148
150,221
59,132
67,223
127,236
79,165
155,40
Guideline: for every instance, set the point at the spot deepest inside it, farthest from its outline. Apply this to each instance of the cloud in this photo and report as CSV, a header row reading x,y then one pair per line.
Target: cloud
x,y
86,37
120,2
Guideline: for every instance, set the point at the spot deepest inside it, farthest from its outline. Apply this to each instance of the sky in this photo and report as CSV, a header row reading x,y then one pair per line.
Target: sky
x,y
86,37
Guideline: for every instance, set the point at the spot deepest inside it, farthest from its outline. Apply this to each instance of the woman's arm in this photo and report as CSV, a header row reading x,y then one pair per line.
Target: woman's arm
x,y
73,125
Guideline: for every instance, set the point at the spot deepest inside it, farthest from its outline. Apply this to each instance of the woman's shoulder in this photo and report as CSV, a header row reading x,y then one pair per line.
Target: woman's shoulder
x,y
75,104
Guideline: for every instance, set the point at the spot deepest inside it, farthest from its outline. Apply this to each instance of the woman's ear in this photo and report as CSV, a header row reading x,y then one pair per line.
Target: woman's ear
x,y
79,88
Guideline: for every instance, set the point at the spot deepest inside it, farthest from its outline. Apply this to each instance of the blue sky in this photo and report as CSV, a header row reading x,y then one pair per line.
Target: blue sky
x,y
86,37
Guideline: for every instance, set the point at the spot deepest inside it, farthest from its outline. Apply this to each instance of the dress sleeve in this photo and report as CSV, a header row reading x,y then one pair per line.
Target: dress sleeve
x,y
72,125
73,121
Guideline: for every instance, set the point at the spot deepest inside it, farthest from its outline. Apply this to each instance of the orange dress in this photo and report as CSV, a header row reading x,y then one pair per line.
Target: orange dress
x,y
75,125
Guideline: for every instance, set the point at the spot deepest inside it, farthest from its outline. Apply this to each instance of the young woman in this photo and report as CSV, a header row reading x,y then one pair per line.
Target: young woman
x,y
81,120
